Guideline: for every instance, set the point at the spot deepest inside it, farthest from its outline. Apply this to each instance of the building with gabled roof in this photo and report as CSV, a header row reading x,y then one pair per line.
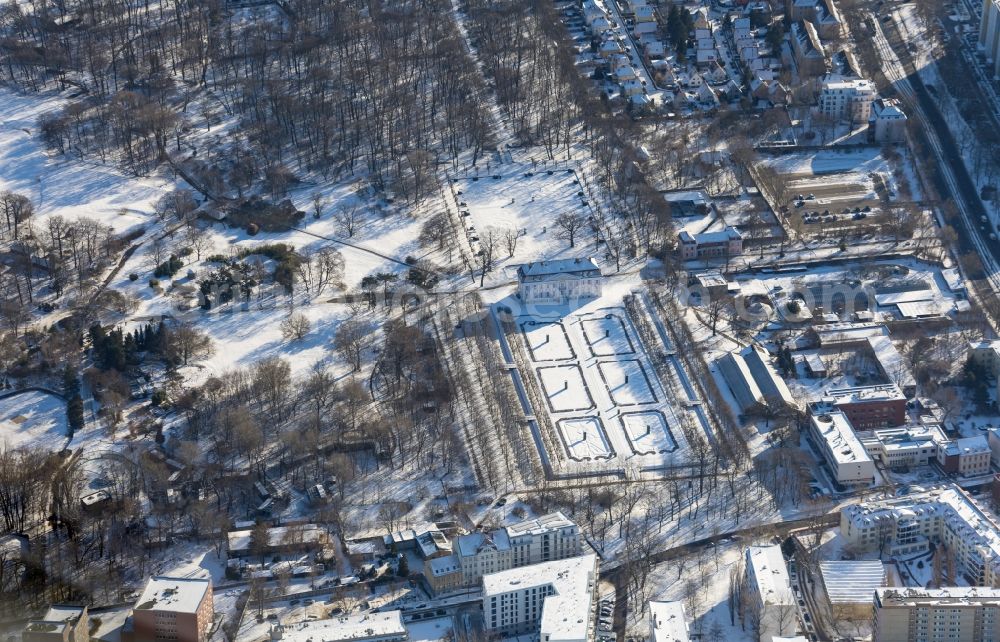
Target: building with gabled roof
x,y
772,608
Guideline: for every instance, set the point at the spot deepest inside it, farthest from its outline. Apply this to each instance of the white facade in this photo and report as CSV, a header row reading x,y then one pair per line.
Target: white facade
x,y
553,600
847,99
547,538
915,445
969,456
772,601
559,282
907,526
887,122
845,455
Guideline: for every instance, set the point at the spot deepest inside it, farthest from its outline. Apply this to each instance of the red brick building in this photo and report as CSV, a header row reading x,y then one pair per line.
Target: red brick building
x,y
172,608
870,407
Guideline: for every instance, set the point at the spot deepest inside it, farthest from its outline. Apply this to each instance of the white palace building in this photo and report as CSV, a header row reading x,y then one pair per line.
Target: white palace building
x,y
558,282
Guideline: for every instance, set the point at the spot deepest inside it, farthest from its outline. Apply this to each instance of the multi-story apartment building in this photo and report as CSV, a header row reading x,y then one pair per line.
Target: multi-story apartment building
x,y
989,32
970,456
62,623
945,516
952,614
772,603
549,601
667,622
848,99
171,608
547,538
807,48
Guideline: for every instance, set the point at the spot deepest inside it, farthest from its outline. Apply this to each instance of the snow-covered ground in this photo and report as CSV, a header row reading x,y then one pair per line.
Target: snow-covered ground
x,y
831,161
525,200
33,420
604,397
59,186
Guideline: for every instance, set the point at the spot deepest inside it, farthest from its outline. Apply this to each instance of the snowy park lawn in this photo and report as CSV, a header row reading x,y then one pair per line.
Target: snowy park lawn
x,y
565,388
547,341
530,204
627,382
606,336
584,438
648,432
67,188
33,420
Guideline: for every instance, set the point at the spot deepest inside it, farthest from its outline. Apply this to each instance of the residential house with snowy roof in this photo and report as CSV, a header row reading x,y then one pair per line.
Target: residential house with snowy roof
x,y
706,245
886,122
772,609
907,526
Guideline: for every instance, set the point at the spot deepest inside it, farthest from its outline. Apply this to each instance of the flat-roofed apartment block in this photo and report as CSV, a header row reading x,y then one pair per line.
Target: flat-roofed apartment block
x,y
847,99
386,626
907,526
951,614
61,623
559,282
551,601
171,608
667,622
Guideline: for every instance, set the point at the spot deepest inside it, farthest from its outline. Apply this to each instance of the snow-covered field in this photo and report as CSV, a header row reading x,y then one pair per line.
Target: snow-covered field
x,y
528,201
648,432
33,420
585,438
602,393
